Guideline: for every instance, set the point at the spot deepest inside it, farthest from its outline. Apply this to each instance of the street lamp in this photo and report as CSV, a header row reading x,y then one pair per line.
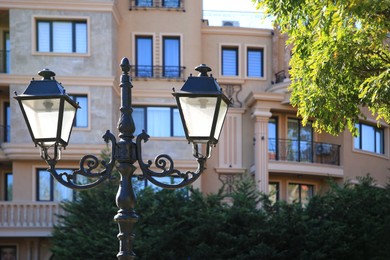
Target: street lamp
x,y
49,114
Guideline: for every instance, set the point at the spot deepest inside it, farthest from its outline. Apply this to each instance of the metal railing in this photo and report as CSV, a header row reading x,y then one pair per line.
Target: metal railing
x,y
303,151
27,215
160,72
159,4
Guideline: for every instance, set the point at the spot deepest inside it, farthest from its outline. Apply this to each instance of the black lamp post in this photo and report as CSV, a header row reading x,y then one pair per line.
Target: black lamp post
x,y
49,113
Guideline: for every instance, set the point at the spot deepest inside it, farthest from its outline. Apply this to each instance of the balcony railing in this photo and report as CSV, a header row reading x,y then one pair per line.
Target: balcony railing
x,y
4,61
157,4
159,72
29,215
303,151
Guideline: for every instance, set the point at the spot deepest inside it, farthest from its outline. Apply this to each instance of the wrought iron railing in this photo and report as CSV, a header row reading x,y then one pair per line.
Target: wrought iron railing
x,y
159,4
303,151
4,61
165,72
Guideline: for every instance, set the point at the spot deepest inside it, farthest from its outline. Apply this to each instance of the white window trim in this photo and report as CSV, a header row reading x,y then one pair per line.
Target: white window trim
x,y
63,18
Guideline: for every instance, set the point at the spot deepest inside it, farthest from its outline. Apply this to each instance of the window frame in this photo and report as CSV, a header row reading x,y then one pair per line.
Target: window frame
x,y
276,137
74,97
51,19
6,190
143,36
299,140
51,185
171,123
360,139
6,117
277,194
170,37
262,49
230,47
300,184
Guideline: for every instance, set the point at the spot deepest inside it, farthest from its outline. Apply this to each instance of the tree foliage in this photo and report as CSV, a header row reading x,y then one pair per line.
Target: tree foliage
x,y
340,58
348,222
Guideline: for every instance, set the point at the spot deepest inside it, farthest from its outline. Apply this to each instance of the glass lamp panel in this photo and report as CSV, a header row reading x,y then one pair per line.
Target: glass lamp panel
x,y
221,118
67,121
198,115
42,115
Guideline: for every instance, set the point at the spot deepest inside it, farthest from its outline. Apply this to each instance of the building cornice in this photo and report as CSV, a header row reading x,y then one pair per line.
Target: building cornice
x,y
7,79
64,5
240,31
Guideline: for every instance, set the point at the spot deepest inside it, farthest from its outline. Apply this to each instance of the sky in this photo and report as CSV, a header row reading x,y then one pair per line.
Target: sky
x,y
243,11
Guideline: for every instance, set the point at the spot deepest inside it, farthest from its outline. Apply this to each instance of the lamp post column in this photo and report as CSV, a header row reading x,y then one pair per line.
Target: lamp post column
x,y
126,157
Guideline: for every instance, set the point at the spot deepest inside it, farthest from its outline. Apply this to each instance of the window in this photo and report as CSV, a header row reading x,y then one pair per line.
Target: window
x,y
255,62
158,121
7,123
171,3
81,119
62,36
229,61
147,3
273,138
8,252
7,57
171,57
273,188
300,141
9,183
371,139
144,56
48,189
300,193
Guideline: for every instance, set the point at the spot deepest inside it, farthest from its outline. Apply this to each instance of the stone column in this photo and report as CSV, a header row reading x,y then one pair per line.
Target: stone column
x,y
261,117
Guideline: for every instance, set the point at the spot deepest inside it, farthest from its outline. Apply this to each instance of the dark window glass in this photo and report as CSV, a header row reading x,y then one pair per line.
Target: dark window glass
x,y
300,141
230,61
255,64
272,138
158,121
370,138
7,123
9,184
171,57
81,119
144,56
62,36
300,193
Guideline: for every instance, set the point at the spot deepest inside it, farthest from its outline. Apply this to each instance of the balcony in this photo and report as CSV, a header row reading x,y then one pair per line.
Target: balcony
x,y
177,5
28,219
303,151
157,72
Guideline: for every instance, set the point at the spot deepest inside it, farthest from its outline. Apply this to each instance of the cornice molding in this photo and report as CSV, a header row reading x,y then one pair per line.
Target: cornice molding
x,y
64,5
221,30
7,79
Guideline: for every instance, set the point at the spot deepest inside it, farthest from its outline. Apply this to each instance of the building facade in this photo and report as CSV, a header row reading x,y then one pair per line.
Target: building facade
x,y
83,42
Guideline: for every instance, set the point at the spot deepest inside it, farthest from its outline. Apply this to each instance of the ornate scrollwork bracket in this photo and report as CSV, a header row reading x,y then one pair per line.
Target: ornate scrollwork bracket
x,y
88,165
165,163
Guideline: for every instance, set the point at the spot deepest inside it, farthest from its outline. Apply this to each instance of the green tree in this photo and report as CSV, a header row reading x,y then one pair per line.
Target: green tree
x,y
340,58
